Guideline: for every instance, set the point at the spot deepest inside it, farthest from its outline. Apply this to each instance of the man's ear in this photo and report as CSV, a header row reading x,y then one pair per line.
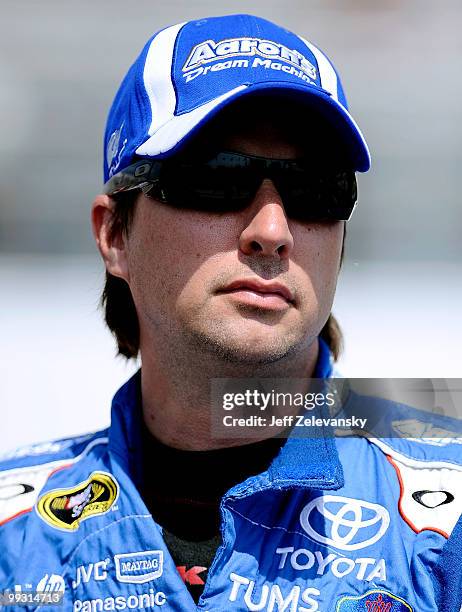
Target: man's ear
x,y
111,244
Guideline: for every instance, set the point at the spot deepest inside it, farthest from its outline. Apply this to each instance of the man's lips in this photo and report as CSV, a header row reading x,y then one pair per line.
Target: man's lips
x,y
266,290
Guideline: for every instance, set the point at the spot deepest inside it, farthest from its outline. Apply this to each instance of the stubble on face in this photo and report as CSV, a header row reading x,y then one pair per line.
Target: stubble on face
x,y
182,311
241,333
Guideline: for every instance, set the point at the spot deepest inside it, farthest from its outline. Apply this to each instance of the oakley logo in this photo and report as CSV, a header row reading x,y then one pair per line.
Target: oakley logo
x,y
432,499
209,51
14,490
347,524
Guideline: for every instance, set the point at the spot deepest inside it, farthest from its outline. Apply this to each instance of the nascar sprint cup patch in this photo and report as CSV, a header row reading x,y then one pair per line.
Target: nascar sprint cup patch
x,y
66,508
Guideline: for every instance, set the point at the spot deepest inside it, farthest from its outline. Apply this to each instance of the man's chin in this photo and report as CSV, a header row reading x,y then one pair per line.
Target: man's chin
x,y
245,349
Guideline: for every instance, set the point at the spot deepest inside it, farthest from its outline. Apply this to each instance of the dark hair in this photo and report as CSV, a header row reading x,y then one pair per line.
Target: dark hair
x,y
119,307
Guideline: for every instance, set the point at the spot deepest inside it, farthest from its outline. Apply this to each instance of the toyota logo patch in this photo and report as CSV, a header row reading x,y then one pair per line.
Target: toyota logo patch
x,y
344,523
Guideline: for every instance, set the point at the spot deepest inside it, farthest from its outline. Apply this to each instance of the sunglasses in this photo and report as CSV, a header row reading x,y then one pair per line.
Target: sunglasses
x,y
228,182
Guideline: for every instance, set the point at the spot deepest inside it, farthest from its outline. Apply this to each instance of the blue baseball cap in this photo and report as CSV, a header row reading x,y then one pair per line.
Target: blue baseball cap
x,y
188,72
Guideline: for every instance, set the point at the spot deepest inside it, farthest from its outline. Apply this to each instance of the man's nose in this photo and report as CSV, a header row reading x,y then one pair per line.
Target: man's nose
x,y
267,231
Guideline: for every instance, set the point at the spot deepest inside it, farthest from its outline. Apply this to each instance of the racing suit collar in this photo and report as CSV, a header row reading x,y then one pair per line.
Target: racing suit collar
x,y
311,461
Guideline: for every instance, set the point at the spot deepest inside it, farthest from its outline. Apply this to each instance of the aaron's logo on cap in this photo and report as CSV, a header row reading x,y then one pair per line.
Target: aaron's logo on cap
x,y
66,508
209,51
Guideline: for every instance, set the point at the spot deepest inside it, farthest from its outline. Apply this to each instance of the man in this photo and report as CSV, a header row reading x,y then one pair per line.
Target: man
x,y
229,177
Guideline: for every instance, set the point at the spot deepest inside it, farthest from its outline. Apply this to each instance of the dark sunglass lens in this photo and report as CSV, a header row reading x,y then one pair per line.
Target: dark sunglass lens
x,y
210,189
341,194
318,196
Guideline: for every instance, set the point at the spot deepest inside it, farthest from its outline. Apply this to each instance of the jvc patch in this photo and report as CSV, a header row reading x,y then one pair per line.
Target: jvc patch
x,y
376,600
66,508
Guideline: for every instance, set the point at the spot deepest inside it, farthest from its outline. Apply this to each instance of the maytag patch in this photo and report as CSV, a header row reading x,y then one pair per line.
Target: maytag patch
x,y
139,567
375,600
66,508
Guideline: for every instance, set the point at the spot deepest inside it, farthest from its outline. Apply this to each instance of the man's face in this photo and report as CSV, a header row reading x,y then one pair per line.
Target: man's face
x,y
250,286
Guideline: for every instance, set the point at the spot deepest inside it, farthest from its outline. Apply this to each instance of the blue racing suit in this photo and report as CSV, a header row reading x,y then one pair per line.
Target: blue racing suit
x,y
339,524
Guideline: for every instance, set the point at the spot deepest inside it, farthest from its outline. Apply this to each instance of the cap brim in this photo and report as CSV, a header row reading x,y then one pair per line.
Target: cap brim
x,y
177,131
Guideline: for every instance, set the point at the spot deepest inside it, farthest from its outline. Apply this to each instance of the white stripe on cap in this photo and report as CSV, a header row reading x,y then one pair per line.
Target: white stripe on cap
x,y
327,74
157,77
172,132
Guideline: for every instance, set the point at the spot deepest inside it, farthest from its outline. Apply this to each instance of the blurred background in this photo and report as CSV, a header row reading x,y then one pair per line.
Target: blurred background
x,y
400,293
